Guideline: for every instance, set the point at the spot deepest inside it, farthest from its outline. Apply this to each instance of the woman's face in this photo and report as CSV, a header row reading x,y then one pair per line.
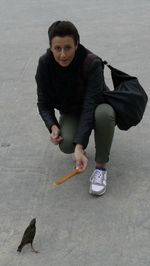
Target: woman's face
x,y
63,49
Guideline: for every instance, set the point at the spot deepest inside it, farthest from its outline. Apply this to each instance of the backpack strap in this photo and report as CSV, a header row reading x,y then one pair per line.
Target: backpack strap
x,y
87,63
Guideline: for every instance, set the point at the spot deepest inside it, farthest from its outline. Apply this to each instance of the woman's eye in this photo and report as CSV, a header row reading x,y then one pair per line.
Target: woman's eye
x,y
67,48
58,49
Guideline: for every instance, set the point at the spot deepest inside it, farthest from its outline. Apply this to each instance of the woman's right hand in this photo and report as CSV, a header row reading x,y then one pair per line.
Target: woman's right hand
x,y
55,135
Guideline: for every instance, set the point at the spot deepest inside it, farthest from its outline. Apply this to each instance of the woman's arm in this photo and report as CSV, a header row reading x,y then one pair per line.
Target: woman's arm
x,y
45,106
93,97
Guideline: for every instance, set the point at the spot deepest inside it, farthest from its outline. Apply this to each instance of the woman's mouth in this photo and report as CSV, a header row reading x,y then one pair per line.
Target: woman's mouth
x,y
64,62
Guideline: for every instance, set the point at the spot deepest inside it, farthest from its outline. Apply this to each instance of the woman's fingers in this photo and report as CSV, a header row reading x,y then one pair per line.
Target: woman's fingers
x,y
56,140
55,135
81,163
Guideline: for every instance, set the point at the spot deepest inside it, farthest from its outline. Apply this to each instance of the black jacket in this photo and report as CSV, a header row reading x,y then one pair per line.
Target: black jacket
x,y
75,89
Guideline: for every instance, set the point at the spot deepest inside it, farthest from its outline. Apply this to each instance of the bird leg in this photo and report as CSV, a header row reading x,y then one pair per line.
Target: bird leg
x,y
36,251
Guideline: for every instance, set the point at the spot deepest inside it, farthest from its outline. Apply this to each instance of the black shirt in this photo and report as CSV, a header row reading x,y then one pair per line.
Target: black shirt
x,y
75,89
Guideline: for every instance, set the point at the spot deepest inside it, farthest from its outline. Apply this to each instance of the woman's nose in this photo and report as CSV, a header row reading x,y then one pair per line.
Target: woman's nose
x,y
62,54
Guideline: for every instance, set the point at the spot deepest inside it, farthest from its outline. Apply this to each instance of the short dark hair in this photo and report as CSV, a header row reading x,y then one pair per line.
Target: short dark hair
x,y
63,28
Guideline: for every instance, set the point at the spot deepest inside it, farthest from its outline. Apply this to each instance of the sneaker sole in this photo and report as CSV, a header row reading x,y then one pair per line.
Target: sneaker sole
x,y
97,193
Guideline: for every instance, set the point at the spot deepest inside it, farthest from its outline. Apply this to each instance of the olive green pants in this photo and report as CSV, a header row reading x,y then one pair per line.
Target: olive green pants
x,y
103,132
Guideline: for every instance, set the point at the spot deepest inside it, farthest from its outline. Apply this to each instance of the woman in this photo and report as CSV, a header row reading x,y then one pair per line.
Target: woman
x,y
70,79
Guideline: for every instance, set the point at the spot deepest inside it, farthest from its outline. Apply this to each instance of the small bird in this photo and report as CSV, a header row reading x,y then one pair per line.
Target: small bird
x,y
28,236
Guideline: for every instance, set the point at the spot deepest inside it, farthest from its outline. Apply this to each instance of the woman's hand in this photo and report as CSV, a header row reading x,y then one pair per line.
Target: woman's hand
x,y
55,135
80,158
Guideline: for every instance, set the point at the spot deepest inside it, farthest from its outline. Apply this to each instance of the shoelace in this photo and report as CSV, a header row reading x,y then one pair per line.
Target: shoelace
x,y
98,177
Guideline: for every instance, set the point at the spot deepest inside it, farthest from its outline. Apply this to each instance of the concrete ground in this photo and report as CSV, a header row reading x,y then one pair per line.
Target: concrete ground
x,y
73,228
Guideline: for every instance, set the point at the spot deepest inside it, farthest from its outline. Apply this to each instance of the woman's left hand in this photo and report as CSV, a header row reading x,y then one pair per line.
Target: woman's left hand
x,y
80,158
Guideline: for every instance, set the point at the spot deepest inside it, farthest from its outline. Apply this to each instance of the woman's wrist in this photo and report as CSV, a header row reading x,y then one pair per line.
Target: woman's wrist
x,y
79,147
53,127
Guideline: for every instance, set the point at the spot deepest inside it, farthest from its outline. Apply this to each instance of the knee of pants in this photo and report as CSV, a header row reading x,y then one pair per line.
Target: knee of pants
x,y
104,113
67,146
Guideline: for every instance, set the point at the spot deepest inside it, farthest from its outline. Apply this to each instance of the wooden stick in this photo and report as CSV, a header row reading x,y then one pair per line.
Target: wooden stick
x,y
66,177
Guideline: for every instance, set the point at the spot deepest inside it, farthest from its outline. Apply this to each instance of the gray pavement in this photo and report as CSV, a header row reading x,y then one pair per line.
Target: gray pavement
x,y
73,228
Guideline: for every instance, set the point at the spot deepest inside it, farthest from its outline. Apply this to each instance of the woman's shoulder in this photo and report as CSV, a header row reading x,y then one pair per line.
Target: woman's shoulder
x,y
92,61
45,58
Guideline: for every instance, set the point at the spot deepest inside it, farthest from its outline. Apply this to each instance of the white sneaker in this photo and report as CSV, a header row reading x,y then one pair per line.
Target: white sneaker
x,y
98,182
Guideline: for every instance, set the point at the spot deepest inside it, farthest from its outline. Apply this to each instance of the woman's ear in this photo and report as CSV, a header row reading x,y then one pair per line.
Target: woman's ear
x,y
50,47
77,45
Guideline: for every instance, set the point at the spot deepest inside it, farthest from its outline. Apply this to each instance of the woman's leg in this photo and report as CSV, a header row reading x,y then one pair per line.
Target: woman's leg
x,y
104,132
68,124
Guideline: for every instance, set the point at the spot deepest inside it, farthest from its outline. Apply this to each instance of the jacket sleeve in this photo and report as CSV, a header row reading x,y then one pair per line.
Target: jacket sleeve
x,y
44,103
93,97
